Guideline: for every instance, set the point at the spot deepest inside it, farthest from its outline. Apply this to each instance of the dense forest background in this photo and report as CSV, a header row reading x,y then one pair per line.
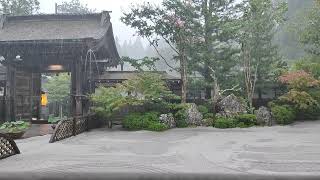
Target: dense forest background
x,y
287,40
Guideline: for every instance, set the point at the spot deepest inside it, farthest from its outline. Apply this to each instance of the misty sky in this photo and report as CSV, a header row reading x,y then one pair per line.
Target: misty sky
x,y
116,6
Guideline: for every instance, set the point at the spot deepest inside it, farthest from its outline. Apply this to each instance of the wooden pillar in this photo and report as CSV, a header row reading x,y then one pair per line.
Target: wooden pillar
x,y
76,89
10,97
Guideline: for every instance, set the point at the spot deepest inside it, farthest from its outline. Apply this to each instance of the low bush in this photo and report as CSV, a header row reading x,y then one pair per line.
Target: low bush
x,y
180,118
15,127
246,120
180,114
224,123
283,114
144,121
157,127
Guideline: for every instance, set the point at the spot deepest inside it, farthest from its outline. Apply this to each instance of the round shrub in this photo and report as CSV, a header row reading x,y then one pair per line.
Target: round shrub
x,y
224,123
283,114
247,120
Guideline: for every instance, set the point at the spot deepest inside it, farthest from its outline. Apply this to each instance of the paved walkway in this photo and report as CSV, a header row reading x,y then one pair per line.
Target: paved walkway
x,y
291,152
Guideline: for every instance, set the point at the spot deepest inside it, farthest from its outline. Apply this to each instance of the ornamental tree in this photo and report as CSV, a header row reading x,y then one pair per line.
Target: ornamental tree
x,y
170,22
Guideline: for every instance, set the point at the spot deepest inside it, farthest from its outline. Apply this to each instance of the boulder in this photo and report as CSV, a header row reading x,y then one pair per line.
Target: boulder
x,y
168,120
231,106
264,116
194,117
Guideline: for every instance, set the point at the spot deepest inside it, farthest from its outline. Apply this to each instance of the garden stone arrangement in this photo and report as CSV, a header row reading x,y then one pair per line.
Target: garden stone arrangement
x,y
231,106
264,116
194,117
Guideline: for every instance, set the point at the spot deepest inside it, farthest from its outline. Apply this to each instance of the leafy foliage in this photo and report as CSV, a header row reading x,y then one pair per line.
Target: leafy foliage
x,y
145,89
283,114
299,80
168,23
19,7
309,64
58,87
15,127
224,123
302,86
74,7
146,121
180,115
246,120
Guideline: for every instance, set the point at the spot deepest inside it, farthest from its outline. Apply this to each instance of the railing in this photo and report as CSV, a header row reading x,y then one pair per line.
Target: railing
x,y
7,147
70,127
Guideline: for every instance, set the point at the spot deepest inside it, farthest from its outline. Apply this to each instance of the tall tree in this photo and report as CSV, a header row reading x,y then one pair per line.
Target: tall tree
x,y
74,6
169,22
310,34
216,51
19,7
261,19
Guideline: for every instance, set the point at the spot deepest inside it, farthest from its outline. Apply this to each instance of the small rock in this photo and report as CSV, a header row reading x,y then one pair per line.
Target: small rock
x,y
168,119
231,106
264,116
194,117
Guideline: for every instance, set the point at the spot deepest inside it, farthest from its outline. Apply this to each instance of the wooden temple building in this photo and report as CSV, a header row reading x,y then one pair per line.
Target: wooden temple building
x,y
82,44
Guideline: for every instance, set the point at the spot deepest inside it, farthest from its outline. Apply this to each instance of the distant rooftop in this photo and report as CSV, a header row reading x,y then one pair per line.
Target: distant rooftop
x,y
54,26
125,75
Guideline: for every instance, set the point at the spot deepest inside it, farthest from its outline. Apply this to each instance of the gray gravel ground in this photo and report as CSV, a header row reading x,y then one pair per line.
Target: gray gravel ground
x,y
290,152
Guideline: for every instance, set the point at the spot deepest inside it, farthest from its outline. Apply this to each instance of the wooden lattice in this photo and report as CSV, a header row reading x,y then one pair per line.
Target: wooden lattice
x,y
63,130
70,127
81,125
7,147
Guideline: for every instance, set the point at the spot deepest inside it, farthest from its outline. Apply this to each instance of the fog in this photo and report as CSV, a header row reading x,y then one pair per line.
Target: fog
x,y
116,6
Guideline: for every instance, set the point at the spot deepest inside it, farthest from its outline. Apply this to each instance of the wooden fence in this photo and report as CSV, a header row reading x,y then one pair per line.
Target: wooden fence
x,y
71,127
7,147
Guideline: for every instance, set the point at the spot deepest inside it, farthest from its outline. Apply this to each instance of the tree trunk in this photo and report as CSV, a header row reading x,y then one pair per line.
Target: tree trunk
x,y
184,78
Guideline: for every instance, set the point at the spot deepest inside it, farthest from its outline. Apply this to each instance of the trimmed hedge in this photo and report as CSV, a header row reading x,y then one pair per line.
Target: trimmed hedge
x,y
146,121
246,120
224,123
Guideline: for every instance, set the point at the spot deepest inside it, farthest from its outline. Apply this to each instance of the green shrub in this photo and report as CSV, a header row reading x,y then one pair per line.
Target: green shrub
x,y
180,114
134,122
224,123
203,109
283,114
144,121
248,120
180,118
242,125
154,126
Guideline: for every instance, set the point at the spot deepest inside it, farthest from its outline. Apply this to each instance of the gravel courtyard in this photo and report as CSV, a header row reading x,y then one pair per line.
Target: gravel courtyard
x,y
291,152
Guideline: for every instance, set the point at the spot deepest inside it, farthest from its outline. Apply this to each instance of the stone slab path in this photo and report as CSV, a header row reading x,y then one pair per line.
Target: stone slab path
x,y
291,152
